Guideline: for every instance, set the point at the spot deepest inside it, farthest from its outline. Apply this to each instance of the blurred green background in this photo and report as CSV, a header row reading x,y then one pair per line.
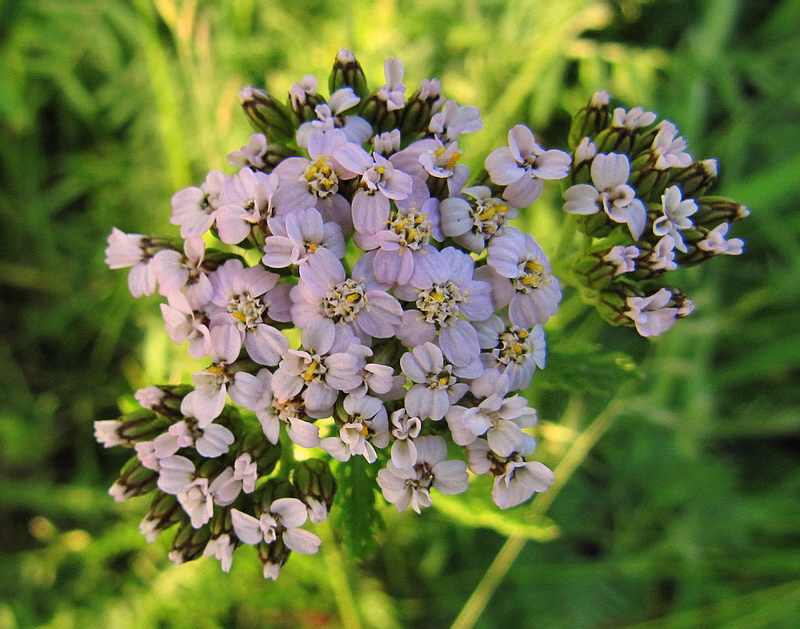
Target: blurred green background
x,y
678,500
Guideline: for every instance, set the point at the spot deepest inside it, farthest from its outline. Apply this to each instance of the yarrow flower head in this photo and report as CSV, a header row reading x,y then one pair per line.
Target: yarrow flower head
x,y
352,290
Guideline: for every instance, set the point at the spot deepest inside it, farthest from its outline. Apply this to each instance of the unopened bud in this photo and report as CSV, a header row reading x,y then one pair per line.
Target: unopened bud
x,y
715,210
316,487
272,557
271,491
347,72
189,543
267,115
141,425
696,178
416,115
165,511
263,453
590,119
134,480
612,303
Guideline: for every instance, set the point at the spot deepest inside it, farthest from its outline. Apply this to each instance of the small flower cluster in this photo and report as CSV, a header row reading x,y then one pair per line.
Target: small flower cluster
x,y
419,312
639,196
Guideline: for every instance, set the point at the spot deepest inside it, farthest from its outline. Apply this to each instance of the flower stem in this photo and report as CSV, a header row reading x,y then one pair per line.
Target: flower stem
x,y
513,546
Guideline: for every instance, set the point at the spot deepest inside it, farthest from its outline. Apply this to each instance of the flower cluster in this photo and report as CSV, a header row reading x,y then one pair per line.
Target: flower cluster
x,y
418,312
640,199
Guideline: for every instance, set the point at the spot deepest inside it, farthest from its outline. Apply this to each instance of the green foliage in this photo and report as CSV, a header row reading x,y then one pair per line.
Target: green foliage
x,y
683,515
355,511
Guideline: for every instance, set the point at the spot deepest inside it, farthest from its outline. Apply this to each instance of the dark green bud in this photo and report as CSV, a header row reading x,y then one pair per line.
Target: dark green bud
x,y
165,512
715,210
134,480
590,119
313,479
269,492
347,72
416,115
141,425
263,453
267,115
272,557
189,543
696,178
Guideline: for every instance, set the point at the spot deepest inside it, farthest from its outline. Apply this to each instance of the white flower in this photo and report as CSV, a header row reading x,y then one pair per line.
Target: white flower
x,y
284,519
670,151
651,314
523,164
676,216
610,192
404,487
716,243
222,548
623,258
368,426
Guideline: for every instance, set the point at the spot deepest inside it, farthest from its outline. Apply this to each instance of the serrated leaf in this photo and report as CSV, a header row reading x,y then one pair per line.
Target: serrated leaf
x,y
357,518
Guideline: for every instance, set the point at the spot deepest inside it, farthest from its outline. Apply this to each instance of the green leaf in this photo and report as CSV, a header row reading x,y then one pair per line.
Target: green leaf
x,y
354,507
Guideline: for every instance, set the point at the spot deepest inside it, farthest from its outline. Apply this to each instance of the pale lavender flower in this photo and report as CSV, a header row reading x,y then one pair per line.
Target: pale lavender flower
x,y
386,143
149,397
194,208
329,118
610,193
523,165
184,274
513,351
358,302
252,155
246,295
516,479
716,242
519,273
472,224
453,121
207,400
670,151
210,441
435,386
366,428
134,251
246,201
651,314
663,255
403,487
177,476
231,481
378,183
221,548
623,258
105,432
677,211
439,309
300,91
284,519
183,324
498,417
330,362
393,92
405,429
636,118
297,236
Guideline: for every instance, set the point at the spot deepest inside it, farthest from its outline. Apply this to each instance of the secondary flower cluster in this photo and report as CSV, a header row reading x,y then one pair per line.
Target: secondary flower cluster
x,y
639,196
419,311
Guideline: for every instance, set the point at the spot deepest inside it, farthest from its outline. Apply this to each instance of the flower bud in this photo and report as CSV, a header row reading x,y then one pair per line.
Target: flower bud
x,y
696,178
271,491
264,454
648,180
376,112
267,115
272,557
417,113
715,210
611,303
165,511
189,543
347,72
134,480
316,487
590,120
141,425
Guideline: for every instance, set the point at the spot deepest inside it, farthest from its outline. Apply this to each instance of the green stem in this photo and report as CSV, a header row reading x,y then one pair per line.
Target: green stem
x,y
513,546
342,592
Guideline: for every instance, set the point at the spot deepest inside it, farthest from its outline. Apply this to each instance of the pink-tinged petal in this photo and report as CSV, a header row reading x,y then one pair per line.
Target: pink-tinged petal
x,y
502,288
271,426
610,171
290,512
280,303
319,399
285,385
204,404
303,433
247,528
581,199
552,164
215,441
460,343
398,186
266,345
637,218
427,403
175,475
504,438
280,252
322,272
523,191
404,454
381,315
352,157
257,281
251,392
319,335
233,224
226,343
301,541
450,477
479,304
142,280
336,448
393,267
522,143
502,167
370,212
414,330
